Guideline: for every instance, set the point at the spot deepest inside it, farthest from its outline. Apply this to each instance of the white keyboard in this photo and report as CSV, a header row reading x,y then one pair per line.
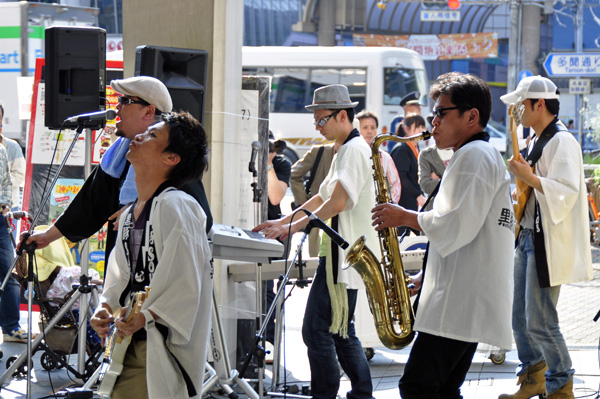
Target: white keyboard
x,y
236,243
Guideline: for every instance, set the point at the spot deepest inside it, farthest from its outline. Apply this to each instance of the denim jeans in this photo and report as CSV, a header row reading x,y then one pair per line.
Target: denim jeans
x,y
326,349
436,368
535,319
9,302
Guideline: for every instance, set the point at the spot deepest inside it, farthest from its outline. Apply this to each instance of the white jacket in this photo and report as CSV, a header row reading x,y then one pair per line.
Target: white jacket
x,y
564,210
467,292
180,295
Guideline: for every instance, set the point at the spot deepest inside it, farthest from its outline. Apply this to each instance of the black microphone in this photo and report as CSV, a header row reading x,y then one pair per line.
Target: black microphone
x,y
334,235
108,114
252,164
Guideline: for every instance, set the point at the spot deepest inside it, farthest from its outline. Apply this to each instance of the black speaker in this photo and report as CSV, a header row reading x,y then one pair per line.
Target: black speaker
x,y
183,71
75,74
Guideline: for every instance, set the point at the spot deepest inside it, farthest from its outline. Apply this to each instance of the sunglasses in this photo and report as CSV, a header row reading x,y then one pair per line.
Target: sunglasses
x,y
440,112
127,100
321,122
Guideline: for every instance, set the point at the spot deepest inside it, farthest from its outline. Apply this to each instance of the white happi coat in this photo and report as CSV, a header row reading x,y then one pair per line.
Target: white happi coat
x,y
467,292
352,168
180,295
564,210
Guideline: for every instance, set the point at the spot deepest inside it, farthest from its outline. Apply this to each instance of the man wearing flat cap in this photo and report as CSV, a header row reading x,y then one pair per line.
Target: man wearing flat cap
x,y
345,198
112,184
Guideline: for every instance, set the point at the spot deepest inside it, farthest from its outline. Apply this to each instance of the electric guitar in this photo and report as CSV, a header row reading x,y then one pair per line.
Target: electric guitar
x,y
112,365
523,189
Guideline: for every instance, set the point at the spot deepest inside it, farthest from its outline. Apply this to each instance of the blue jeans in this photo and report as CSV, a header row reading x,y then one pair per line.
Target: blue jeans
x,y
535,319
326,349
9,302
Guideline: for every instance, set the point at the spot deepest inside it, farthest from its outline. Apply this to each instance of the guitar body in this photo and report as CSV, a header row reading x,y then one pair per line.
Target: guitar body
x,y
116,348
523,190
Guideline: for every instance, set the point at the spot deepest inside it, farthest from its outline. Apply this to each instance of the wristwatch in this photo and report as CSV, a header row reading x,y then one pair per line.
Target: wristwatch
x,y
149,319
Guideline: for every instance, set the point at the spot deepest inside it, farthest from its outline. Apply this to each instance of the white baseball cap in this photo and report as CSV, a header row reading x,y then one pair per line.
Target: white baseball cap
x,y
531,87
149,89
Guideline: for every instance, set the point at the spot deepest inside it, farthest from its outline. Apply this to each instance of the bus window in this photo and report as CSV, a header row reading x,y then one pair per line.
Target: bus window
x,y
400,81
293,88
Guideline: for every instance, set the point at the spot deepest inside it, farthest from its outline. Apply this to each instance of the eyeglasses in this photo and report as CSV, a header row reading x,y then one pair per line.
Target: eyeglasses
x,y
321,122
127,100
440,112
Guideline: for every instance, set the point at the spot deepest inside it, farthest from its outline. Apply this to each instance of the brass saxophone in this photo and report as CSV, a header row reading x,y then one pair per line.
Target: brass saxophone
x,y
386,282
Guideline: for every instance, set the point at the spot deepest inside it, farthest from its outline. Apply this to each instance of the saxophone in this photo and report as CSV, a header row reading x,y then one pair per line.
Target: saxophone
x,y
386,282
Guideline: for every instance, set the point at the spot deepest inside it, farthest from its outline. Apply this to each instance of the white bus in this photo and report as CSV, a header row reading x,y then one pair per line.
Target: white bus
x,y
377,77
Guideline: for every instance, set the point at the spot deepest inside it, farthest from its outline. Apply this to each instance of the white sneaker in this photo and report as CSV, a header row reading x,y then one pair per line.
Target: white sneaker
x,y
269,352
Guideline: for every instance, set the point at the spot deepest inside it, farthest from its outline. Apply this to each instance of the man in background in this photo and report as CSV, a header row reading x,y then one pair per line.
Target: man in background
x,y
16,164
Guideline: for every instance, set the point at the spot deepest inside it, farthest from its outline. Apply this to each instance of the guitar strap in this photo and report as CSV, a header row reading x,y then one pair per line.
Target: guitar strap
x,y
479,136
142,264
541,261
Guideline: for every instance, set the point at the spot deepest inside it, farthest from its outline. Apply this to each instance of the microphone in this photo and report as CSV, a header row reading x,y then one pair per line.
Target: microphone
x,y
93,116
252,164
334,235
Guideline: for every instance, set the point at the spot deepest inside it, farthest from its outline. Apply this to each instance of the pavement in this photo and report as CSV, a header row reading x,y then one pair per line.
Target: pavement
x,y
578,304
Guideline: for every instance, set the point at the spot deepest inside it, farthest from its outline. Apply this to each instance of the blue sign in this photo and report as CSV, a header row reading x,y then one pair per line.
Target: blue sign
x,y
96,256
572,64
524,74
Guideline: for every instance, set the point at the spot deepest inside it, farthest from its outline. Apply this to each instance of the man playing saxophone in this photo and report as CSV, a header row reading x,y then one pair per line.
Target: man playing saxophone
x,y
467,284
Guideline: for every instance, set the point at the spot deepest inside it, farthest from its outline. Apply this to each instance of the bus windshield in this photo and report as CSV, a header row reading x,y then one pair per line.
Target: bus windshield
x,y
400,81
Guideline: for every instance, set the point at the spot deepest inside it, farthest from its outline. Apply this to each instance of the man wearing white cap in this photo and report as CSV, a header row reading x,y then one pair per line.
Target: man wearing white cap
x,y
553,246
111,185
346,197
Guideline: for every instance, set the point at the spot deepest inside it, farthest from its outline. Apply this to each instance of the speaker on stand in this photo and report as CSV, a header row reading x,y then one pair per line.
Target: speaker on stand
x,y
183,71
74,75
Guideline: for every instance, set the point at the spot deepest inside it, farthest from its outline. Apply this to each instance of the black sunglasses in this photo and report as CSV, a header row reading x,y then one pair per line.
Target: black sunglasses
x,y
440,112
127,100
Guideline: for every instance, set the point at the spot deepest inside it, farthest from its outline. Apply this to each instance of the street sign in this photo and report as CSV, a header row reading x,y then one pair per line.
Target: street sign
x,y
572,64
440,15
580,86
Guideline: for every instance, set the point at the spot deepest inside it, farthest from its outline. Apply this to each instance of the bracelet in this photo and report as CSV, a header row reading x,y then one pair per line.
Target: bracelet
x,y
270,167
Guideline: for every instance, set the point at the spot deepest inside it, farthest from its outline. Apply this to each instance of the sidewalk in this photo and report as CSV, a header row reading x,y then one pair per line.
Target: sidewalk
x,y
578,304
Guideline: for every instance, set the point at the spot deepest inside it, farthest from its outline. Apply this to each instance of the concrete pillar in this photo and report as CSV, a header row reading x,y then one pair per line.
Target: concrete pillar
x,y
211,25
326,30
531,33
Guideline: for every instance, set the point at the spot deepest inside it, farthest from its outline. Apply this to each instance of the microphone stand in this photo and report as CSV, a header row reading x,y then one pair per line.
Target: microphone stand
x,y
30,249
257,199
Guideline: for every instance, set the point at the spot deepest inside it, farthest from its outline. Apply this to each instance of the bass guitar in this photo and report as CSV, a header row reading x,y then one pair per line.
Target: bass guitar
x,y
112,365
523,190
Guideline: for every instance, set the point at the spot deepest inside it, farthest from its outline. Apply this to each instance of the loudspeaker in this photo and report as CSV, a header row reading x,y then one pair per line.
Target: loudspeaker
x,y
183,71
75,74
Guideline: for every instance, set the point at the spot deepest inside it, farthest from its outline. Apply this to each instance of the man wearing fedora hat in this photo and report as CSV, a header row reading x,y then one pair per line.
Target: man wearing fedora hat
x,y
345,198
111,185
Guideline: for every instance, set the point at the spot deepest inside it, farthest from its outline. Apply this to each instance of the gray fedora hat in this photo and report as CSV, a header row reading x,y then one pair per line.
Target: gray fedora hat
x,y
331,97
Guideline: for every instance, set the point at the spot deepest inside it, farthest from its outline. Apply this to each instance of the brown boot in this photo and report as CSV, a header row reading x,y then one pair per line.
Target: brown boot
x,y
532,383
565,392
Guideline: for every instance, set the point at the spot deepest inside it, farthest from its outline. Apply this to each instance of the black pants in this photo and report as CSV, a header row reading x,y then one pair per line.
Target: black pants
x,y
436,368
